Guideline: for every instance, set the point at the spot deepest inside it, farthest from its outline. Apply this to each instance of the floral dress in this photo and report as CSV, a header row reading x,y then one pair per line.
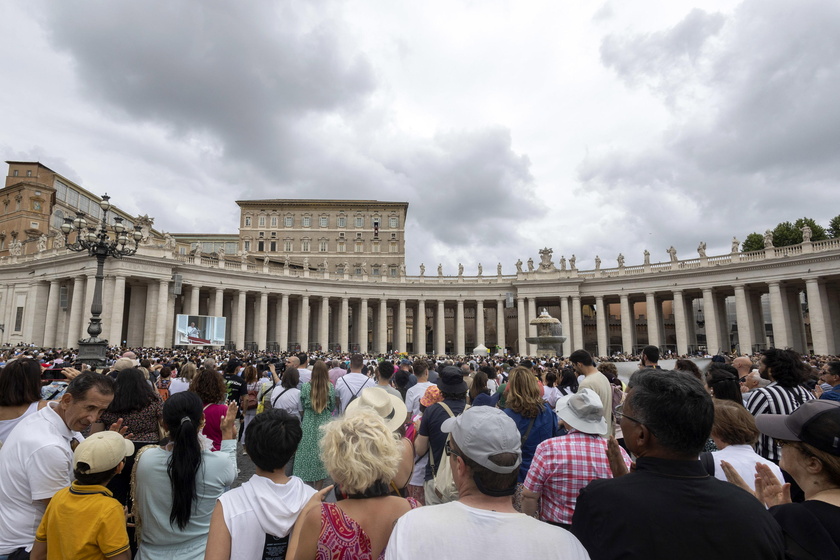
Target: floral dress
x,y
342,538
308,465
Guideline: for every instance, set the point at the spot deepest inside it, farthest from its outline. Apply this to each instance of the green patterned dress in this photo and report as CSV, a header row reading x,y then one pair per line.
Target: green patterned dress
x,y
308,465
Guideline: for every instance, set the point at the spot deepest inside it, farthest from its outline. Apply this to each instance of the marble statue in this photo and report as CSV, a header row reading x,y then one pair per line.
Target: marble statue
x,y
422,269
440,269
519,265
15,248
402,269
499,269
305,263
530,265
768,239
735,244
673,253
42,243
597,262
265,260
563,262
243,257
346,267
221,255
460,269
480,269
620,260
325,265
197,251
146,224
58,242
170,244
647,257
572,262
545,259
701,249
364,267
806,234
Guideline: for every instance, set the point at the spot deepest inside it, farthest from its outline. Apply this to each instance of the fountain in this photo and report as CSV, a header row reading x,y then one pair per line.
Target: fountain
x,y
549,335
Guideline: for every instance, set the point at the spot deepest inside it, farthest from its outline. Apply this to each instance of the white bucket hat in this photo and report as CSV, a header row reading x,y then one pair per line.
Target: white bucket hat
x,y
583,411
392,409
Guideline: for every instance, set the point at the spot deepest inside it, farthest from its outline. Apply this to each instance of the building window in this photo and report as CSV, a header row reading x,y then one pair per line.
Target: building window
x,y
358,271
393,236
273,246
261,246
288,221
287,245
375,247
15,173
274,221
262,235
324,221
375,271
58,218
230,248
341,247
29,173
322,245
307,221
305,246
393,271
247,246
393,222
360,246
341,235
182,250
247,221
376,225
274,235
394,247
262,221
342,221
360,221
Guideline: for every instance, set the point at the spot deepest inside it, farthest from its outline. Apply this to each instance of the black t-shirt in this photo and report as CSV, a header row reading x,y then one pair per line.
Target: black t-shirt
x,y
236,387
433,417
812,526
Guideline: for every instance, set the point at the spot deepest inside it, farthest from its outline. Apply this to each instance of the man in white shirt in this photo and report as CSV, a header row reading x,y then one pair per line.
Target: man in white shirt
x,y
351,384
36,460
413,395
303,369
484,451
593,379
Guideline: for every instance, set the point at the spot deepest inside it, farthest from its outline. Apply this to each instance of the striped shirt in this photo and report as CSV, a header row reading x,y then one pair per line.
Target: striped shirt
x,y
775,399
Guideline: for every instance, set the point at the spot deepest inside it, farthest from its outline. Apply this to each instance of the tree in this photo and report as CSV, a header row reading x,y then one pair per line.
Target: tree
x,y
753,242
834,227
786,234
817,231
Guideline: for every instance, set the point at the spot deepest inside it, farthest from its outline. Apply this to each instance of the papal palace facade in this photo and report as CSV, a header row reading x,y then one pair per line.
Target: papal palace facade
x,y
330,275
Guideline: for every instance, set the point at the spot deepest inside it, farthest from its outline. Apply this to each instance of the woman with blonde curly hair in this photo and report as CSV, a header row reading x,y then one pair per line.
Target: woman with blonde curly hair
x,y
533,416
361,455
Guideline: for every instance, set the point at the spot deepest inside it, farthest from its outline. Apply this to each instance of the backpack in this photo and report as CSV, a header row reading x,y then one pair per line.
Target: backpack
x,y
444,482
264,397
356,394
251,400
163,388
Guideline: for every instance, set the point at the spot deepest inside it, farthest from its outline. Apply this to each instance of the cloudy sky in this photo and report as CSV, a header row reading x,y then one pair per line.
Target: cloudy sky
x,y
591,127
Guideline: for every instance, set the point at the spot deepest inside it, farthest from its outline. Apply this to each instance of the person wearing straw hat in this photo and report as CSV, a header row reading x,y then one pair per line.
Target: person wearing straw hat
x,y
393,411
563,465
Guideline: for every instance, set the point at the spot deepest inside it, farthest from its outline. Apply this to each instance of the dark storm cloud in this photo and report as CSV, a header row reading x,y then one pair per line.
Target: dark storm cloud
x,y
755,128
243,73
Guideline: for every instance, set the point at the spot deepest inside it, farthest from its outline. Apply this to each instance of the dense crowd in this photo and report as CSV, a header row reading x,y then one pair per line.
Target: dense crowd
x,y
396,456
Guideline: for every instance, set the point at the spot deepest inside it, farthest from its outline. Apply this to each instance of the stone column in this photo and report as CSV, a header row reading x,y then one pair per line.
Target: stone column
x,y
460,334
108,289
743,312
362,328
532,329
601,319
36,313
500,324
781,323
344,325
577,320
819,325
479,323
239,322
303,323
628,324
400,343
117,311
324,324
711,322
566,321
151,314
283,327
219,302
652,311
680,322
440,328
162,316
521,326
420,328
382,326
52,314
195,292
262,322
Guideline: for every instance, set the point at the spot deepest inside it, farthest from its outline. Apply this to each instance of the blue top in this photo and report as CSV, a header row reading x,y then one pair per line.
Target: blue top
x,y
483,399
545,427
833,395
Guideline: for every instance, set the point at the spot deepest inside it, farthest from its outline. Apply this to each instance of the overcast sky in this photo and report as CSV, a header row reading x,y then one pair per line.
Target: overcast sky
x,y
592,128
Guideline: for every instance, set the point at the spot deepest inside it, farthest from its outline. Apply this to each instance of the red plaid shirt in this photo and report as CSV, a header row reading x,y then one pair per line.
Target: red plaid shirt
x,y
561,467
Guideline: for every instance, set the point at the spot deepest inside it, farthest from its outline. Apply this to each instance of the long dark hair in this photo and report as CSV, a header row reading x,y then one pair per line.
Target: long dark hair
x,y
131,392
182,415
20,383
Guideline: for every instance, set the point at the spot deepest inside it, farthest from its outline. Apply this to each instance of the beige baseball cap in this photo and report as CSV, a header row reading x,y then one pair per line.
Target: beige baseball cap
x,y
102,452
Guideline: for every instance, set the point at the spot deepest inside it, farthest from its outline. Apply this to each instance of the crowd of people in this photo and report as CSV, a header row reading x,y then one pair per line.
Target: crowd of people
x,y
392,456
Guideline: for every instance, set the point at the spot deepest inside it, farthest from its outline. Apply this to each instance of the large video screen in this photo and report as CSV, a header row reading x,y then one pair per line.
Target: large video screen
x,y
199,330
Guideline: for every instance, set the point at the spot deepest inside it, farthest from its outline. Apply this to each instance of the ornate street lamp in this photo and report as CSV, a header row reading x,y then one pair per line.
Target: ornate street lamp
x,y
100,243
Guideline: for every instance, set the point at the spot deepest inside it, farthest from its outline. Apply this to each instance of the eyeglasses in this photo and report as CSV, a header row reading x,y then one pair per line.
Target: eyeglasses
x,y
449,451
619,415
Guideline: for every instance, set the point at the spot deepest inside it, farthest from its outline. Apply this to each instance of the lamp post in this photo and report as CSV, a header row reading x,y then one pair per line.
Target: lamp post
x,y
99,243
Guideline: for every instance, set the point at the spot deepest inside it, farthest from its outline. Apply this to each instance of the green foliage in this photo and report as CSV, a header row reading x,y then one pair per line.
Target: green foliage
x,y
786,234
834,227
817,231
753,242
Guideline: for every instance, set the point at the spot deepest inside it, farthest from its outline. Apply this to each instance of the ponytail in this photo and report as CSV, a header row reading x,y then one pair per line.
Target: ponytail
x,y
182,414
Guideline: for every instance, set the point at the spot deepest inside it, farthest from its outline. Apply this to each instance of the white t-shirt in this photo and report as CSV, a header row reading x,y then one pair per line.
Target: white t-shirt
x,y
178,385
288,401
413,396
259,510
351,384
35,463
743,459
305,376
6,426
464,532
